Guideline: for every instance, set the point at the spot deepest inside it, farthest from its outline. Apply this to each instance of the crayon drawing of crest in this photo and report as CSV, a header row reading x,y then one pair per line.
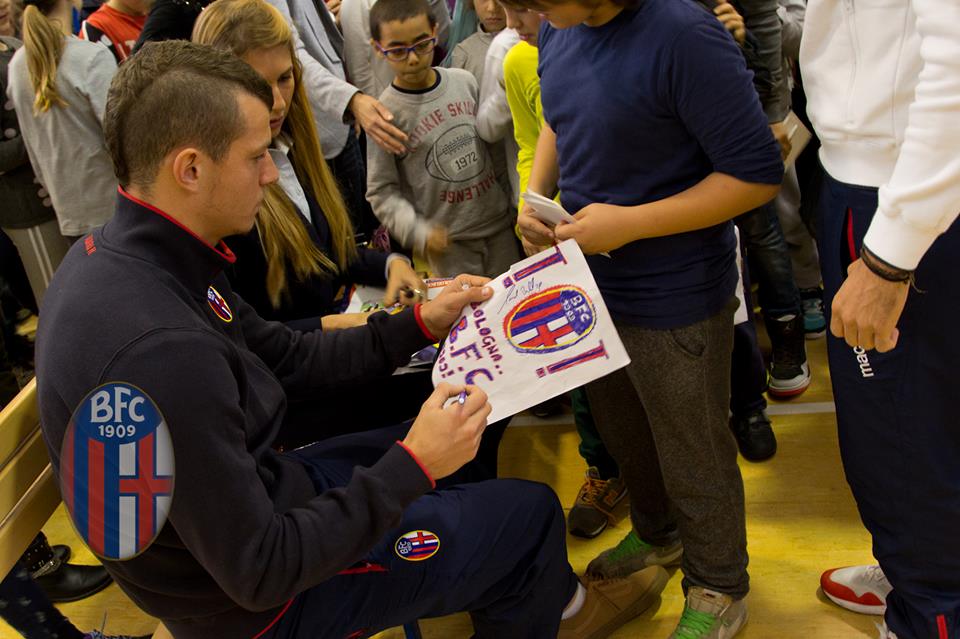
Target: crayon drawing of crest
x,y
550,320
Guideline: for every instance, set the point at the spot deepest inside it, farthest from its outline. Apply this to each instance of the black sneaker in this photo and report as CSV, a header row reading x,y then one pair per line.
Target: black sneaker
x,y
789,373
754,435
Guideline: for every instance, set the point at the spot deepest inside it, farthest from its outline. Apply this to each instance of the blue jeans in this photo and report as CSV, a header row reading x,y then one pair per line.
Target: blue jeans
x,y
897,421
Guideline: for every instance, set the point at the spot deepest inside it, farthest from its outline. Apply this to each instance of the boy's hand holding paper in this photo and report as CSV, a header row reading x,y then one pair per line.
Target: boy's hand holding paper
x,y
546,210
554,216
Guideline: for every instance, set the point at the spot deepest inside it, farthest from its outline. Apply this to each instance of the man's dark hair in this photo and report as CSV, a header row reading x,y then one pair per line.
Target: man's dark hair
x,y
172,94
397,10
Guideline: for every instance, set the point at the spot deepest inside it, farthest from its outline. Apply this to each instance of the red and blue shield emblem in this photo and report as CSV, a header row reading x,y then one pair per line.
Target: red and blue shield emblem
x,y
116,470
550,320
417,545
219,305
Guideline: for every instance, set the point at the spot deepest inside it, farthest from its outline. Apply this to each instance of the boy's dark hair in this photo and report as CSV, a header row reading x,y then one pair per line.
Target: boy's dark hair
x,y
397,10
172,94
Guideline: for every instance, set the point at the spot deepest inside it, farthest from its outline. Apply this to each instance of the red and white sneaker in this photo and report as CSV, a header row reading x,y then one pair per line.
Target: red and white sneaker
x,y
862,589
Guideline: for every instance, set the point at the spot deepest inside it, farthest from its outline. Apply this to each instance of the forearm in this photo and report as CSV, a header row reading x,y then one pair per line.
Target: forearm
x,y
400,218
715,199
369,267
763,22
792,13
493,114
329,95
546,169
13,154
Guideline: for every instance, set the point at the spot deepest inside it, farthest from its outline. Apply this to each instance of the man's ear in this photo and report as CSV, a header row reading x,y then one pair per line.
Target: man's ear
x,y
376,48
189,168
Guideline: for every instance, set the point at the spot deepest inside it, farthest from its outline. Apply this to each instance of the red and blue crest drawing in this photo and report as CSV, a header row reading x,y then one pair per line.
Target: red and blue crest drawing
x,y
550,320
116,470
417,545
219,305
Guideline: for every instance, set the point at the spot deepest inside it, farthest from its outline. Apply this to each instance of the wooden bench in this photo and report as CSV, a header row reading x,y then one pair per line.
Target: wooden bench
x,y
28,490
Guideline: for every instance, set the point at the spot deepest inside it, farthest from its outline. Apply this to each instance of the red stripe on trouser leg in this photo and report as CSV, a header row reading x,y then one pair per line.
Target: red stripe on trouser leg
x,y
942,627
851,245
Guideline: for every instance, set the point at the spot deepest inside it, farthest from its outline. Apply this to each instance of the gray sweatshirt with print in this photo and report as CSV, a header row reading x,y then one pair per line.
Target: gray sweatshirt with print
x,y
447,177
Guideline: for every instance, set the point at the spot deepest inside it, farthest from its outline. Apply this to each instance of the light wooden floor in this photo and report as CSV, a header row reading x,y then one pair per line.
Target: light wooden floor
x,y
800,520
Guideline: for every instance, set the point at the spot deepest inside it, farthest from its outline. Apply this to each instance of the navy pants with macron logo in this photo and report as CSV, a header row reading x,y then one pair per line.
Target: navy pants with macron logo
x,y
898,422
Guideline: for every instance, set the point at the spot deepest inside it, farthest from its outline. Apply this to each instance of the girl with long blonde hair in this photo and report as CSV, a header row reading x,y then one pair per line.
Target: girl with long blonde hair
x,y
58,86
301,255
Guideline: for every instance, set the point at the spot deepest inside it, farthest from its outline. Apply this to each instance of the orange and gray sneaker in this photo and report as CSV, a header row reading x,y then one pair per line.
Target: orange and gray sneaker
x,y
595,504
610,603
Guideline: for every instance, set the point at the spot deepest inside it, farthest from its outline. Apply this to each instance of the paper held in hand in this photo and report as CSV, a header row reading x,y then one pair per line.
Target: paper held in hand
x,y
799,137
546,210
544,331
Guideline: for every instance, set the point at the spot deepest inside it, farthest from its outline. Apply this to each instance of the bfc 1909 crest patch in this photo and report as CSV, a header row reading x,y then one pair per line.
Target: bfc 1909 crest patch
x,y
417,545
117,470
550,320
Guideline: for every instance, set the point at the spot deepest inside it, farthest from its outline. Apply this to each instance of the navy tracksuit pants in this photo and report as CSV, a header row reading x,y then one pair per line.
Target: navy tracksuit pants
x,y
898,421
501,555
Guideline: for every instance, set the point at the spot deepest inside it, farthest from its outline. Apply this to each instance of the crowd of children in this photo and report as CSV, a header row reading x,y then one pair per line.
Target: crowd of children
x,y
405,134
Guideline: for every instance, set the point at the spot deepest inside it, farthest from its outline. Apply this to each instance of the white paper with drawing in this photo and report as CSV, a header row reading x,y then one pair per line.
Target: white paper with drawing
x,y
544,331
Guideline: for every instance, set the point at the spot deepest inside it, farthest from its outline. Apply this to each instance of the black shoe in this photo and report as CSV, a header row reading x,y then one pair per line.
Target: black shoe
x,y
789,373
754,435
61,552
71,582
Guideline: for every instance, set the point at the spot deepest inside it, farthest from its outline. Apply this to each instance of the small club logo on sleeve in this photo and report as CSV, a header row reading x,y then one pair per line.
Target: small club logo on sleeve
x,y
417,545
219,305
117,470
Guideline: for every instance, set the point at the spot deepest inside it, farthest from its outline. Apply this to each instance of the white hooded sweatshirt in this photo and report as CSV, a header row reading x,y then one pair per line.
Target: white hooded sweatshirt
x,y
882,79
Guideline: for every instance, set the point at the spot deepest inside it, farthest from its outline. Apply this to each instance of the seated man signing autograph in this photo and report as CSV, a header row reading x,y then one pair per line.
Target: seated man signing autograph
x,y
161,392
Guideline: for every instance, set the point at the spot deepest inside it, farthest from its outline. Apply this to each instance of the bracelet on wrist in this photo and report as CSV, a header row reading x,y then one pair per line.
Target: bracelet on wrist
x,y
882,269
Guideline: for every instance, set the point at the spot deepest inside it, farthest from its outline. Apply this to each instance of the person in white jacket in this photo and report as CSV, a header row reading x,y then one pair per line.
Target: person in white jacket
x,y
882,79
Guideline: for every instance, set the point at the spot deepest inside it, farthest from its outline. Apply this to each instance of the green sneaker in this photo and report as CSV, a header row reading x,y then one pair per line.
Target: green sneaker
x,y
632,554
710,615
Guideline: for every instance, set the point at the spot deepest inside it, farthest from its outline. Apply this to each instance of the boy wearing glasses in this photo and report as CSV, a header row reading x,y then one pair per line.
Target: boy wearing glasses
x,y
441,197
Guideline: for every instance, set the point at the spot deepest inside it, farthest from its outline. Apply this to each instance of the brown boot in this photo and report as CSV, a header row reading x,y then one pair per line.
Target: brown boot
x,y
610,603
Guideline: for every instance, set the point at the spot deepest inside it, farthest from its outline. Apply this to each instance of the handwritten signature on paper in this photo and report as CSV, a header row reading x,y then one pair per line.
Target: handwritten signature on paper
x,y
521,289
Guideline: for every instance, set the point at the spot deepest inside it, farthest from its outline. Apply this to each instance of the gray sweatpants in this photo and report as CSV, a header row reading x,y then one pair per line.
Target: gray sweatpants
x,y
490,256
664,420
41,249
